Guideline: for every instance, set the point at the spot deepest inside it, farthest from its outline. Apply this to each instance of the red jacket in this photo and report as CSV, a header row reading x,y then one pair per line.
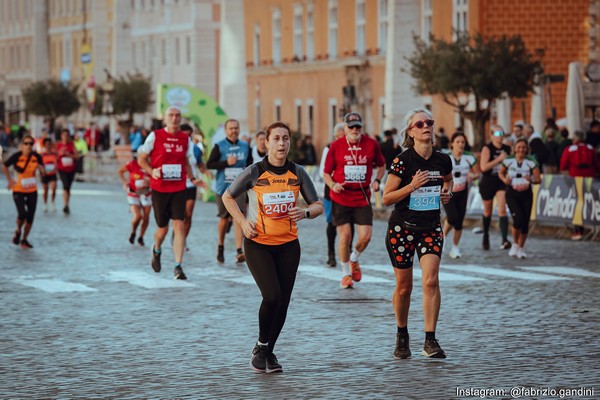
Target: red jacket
x,y
580,160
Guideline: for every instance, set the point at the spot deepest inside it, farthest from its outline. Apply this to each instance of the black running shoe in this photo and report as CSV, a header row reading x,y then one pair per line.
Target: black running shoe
x,y
272,364
155,261
432,349
402,350
26,245
506,245
132,238
486,241
240,258
17,238
178,272
66,210
258,362
220,255
141,241
331,260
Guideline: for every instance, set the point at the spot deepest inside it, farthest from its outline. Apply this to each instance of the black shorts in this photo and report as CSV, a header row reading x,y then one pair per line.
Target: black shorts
x,y
191,193
67,179
49,178
241,201
401,244
26,204
351,215
489,186
167,206
456,209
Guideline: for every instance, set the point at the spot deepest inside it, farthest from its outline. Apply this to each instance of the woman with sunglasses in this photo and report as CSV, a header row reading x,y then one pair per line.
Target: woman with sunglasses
x,y
24,187
419,180
67,157
519,172
490,185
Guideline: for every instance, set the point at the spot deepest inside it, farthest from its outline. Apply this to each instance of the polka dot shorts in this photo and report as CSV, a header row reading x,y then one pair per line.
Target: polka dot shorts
x,y
402,243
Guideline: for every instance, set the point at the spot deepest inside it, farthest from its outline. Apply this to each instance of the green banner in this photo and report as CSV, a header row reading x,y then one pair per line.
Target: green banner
x,y
195,105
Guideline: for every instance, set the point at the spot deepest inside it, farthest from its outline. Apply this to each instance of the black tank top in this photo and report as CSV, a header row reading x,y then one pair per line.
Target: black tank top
x,y
495,153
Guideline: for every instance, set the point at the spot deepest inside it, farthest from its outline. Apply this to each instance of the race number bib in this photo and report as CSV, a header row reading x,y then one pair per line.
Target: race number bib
x,y
278,205
67,161
141,183
232,173
355,173
519,183
425,198
460,183
171,172
50,167
28,183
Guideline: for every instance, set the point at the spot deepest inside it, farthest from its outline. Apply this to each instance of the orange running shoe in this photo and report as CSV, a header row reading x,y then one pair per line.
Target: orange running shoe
x,y
346,282
356,272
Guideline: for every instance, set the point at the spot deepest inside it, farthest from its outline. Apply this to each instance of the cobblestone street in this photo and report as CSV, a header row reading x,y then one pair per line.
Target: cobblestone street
x,y
84,316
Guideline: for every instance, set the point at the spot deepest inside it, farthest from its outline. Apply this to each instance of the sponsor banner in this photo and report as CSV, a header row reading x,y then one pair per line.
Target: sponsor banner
x,y
590,208
556,199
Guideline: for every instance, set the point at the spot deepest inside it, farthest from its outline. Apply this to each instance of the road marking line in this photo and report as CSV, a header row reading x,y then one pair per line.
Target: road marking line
x,y
565,271
55,285
146,280
503,272
334,274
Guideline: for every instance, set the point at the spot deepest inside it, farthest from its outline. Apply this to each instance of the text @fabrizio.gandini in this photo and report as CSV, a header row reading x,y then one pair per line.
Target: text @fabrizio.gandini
x,y
518,392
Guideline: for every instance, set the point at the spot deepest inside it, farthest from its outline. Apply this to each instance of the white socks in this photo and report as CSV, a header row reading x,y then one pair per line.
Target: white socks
x,y
354,255
345,268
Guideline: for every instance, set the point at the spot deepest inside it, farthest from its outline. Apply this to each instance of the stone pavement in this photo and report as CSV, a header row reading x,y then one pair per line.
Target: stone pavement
x,y
84,316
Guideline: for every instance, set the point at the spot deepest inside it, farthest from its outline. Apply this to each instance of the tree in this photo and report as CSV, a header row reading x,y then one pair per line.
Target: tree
x,y
474,70
128,96
51,99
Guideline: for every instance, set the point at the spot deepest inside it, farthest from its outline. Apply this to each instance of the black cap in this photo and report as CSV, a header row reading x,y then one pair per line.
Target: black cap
x,y
353,119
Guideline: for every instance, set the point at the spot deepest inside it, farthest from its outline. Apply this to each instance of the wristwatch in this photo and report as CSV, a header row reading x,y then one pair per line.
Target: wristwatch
x,y
306,213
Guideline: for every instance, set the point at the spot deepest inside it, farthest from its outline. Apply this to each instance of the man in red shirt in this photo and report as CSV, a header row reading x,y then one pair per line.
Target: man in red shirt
x,y
348,172
579,159
164,156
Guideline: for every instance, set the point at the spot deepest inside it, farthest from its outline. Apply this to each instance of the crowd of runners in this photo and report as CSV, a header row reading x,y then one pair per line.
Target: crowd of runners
x,y
258,190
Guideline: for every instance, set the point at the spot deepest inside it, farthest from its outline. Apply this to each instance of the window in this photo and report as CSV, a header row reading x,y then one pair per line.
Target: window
x,y
188,50
163,51
12,58
298,51
427,17
134,55
144,59
277,110
256,54
67,55
332,117
277,37
360,27
383,25
299,115
310,33
311,118
27,57
460,19
257,124
176,51
332,29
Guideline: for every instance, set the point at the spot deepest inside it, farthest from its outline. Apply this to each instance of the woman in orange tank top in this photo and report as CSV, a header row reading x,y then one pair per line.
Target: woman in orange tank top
x,y
271,235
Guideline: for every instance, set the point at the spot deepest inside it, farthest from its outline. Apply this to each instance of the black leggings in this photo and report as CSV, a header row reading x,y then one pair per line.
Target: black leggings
x,y
456,209
26,204
519,204
274,269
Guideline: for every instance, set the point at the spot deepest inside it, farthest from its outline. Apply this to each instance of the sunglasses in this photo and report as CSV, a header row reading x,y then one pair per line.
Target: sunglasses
x,y
421,124
498,133
28,143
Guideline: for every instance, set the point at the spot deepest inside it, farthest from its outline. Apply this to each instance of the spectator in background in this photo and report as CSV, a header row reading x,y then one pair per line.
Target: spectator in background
x,y
579,159
308,149
259,150
552,147
593,136
441,139
389,148
135,138
516,134
92,137
82,148
563,142
537,147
